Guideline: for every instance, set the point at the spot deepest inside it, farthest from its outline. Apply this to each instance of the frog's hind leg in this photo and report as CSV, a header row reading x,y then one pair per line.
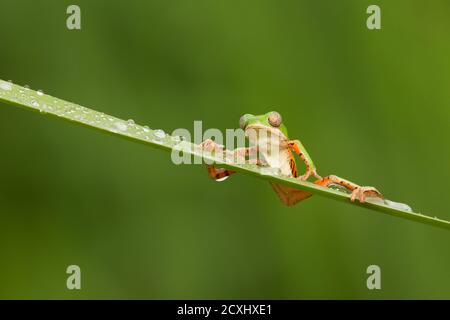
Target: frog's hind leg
x,y
358,192
297,147
289,196
219,174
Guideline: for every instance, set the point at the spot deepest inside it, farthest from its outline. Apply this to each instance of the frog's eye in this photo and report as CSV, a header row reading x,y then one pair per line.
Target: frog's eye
x,y
274,119
242,122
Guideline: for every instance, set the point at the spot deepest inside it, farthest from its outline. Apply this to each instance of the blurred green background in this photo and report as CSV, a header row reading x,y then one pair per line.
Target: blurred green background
x,y
372,106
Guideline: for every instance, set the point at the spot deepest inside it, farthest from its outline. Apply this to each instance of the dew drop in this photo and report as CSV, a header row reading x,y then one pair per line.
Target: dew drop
x,y
339,188
130,122
40,92
34,103
121,126
222,179
44,108
146,128
179,138
5,85
160,134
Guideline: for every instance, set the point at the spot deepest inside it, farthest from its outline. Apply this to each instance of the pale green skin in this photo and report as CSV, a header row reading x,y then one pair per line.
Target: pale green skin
x,y
261,122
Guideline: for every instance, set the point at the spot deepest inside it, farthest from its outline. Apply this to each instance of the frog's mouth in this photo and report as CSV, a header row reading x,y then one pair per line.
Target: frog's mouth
x,y
255,130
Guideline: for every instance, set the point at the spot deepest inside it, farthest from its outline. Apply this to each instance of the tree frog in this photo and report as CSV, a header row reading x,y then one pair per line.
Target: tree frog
x,y
267,133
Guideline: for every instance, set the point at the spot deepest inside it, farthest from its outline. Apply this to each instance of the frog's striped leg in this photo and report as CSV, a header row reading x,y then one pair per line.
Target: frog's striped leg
x,y
359,192
289,196
297,147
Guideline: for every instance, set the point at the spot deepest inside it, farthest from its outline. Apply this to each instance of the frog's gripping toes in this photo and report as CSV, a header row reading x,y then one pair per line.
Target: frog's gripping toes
x,y
358,192
270,124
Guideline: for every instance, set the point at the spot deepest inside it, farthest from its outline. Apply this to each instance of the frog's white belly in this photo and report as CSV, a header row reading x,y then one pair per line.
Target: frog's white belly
x,y
276,154
280,162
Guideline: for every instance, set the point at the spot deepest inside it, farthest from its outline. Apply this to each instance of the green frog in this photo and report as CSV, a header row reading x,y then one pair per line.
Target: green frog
x,y
270,143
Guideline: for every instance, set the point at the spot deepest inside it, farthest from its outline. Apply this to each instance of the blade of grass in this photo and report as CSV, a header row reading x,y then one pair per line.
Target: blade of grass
x,y
37,101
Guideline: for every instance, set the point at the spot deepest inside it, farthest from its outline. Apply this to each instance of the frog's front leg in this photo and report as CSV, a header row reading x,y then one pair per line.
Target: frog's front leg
x,y
297,147
221,173
211,146
358,192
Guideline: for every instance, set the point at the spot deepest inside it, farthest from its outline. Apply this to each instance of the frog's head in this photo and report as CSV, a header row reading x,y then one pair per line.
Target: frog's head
x,y
270,122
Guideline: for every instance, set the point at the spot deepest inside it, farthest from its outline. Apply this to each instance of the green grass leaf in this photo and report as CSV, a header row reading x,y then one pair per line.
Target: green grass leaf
x,y
50,106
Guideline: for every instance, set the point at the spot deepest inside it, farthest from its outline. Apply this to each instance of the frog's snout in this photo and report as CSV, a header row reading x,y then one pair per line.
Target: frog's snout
x,y
243,121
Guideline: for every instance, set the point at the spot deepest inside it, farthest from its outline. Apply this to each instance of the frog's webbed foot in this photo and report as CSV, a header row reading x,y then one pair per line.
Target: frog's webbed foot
x,y
358,192
361,193
218,174
289,196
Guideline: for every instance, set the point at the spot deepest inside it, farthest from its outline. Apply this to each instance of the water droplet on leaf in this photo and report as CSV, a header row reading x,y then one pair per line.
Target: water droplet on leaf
x,y
5,85
339,188
222,179
160,134
121,126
